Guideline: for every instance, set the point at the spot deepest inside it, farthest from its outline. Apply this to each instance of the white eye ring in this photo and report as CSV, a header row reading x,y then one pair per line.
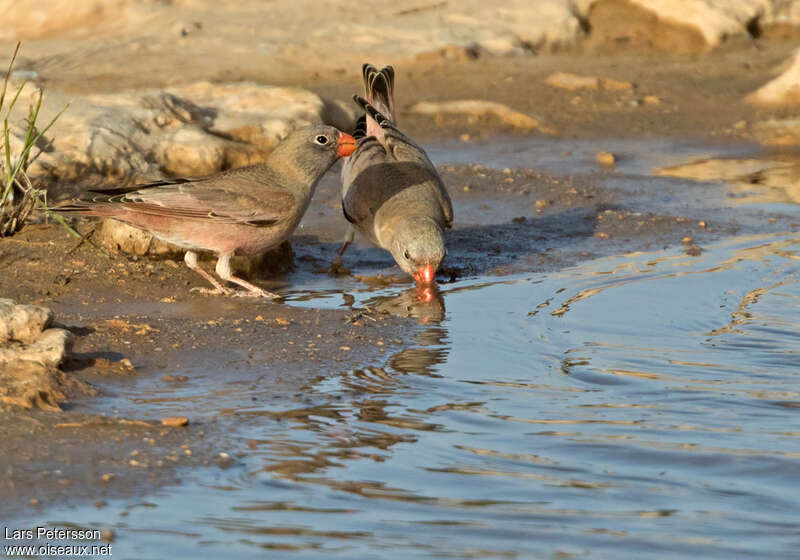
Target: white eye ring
x,y
321,140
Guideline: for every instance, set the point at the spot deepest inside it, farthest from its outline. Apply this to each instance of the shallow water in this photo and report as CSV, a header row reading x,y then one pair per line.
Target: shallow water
x,y
642,405
639,406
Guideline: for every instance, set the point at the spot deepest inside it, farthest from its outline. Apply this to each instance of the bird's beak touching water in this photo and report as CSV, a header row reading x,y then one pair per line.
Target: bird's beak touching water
x,y
347,145
425,275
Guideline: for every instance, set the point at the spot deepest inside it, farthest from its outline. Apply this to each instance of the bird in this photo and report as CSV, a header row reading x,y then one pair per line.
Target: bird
x,y
241,211
391,192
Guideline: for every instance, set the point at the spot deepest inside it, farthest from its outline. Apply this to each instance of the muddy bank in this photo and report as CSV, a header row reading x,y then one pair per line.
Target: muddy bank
x,y
136,322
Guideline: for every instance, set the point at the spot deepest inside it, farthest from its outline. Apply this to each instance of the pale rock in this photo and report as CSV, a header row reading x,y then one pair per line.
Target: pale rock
x,y
568,81
784,13
191,152
22,323
681,25
474,109
783,90
611,84
192,130
606,159
49,349
33,19
544,23
30,352
778,132
119,237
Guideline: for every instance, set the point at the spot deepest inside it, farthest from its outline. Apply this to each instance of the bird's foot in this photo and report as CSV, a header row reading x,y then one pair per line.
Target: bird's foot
x,y
256,292
218,291
337,268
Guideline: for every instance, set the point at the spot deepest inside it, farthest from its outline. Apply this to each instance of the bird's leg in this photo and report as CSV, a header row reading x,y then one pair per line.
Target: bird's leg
x,y
336,265
191,261
224,271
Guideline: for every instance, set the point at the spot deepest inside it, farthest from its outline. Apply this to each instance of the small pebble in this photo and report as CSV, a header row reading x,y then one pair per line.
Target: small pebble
x,y
175,421
107,477
686,240
606,159
107,535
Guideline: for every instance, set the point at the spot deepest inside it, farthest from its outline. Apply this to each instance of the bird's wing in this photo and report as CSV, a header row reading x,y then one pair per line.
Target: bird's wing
x,y
376,184
227,198
400,148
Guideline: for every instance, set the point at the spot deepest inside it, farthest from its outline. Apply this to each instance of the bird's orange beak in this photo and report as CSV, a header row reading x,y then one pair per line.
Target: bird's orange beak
x,y
425,275
347,145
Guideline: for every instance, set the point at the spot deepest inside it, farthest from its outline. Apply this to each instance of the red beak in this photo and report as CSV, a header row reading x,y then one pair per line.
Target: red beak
x,y
425,275
347,145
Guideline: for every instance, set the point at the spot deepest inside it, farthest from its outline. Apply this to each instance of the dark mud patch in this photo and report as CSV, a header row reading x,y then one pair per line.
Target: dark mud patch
x,y
70,457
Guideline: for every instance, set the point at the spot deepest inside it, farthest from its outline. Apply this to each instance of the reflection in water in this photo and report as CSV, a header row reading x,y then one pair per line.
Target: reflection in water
x,y
642,406
365,397
425,304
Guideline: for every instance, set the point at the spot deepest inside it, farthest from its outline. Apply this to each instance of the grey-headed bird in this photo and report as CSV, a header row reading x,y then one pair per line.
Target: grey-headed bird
x,y
391,192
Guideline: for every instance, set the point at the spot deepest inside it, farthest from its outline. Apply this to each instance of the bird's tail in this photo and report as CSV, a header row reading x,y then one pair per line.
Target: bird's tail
x,y
379,92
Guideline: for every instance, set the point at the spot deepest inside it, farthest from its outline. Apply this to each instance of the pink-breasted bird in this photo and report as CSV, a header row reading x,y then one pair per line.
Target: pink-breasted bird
x,y
243,211
391,192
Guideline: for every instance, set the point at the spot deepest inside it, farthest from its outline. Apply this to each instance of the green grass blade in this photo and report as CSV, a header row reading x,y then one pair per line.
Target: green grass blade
x,y
28,147
8,74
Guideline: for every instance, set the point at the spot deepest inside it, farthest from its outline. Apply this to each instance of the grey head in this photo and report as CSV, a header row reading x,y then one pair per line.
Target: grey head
x,y
310,151
418,247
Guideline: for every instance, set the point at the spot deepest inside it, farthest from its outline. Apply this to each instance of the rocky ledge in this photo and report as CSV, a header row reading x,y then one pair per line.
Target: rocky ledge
x,y
30,353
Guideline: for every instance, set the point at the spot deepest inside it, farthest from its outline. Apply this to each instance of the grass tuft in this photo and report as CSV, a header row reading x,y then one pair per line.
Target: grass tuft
x,y
19,197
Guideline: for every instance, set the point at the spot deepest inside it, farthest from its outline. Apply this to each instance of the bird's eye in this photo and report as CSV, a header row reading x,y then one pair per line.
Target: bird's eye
x,y
321,140
406,255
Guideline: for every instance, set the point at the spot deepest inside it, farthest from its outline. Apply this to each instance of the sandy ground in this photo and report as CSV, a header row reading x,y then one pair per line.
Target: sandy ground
x,y
514,221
